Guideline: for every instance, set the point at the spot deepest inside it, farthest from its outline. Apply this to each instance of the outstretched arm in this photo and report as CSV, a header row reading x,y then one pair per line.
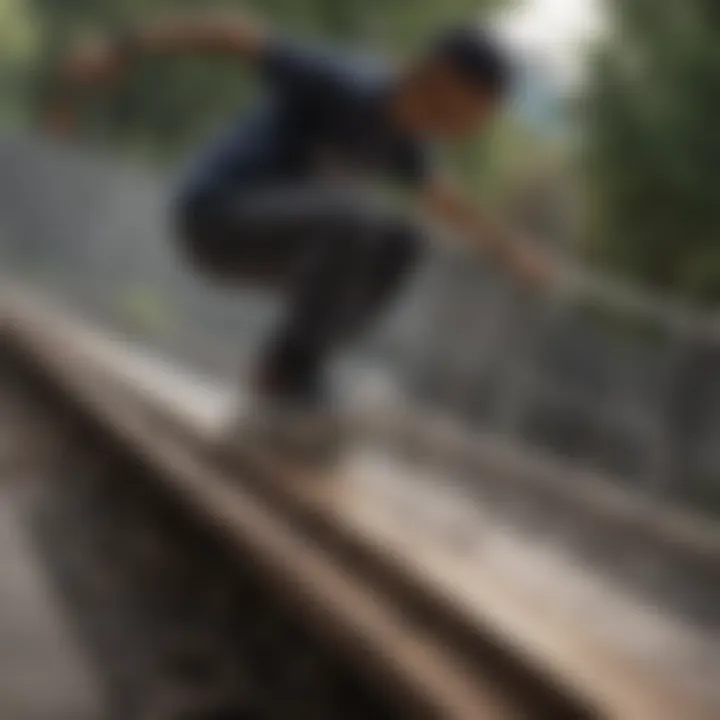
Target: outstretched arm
x,y
100,61
478,231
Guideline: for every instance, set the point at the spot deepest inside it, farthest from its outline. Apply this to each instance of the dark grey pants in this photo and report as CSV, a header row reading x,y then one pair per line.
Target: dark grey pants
x,y
338,256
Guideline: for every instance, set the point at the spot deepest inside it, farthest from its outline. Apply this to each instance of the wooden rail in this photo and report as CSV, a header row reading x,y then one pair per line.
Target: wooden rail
x,y
408,643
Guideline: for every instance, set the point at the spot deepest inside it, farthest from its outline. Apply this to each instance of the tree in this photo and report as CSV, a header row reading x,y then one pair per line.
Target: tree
x,y
167,106
653,114
19,43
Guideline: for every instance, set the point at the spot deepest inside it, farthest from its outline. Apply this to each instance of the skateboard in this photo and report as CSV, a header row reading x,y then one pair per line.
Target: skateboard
x,y
287,446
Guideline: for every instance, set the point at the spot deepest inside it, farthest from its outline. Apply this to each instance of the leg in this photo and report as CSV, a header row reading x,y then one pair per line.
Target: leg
x,y
222,236
343,259
344,285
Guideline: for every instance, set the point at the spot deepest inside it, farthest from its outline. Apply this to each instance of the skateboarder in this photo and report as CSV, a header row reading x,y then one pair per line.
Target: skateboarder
x,y
286,196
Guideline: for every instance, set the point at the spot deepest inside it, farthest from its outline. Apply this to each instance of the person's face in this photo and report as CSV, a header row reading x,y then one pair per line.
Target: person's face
x,y
437,100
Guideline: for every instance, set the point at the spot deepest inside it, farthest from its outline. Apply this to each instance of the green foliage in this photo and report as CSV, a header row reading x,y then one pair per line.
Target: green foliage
x,y
168,105
18,39
654,160
19,45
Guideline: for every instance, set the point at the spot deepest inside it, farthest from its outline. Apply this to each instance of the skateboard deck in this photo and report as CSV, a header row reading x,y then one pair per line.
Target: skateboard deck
x,y
249,444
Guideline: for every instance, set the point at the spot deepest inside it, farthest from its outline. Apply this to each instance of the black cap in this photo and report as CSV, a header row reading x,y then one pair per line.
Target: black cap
x,y
477,57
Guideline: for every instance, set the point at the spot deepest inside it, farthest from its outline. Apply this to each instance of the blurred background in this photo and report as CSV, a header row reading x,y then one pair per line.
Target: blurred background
x,y
609,155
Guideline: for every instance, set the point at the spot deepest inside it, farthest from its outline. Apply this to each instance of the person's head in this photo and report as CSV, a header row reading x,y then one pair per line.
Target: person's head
x,y
456,87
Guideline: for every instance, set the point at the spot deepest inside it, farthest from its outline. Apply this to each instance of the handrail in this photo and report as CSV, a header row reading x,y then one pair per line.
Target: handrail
x,y
412,639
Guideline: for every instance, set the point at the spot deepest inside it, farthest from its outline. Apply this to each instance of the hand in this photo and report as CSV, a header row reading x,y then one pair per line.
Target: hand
x,y
60,122
95,63
533,267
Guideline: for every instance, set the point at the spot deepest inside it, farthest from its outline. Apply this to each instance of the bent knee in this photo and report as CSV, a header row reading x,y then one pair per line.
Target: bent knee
x,y
400,247
192,211
199,232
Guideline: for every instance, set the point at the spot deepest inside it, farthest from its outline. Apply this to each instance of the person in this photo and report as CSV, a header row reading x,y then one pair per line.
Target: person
x,y
285,197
